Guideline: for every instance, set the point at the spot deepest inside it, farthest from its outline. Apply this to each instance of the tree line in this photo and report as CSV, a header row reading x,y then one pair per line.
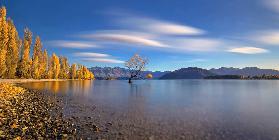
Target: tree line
x,y
17,62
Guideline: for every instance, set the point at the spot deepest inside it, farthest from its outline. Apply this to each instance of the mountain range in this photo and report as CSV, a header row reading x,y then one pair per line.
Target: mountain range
x,y
188,73
121,73
183,73
247,71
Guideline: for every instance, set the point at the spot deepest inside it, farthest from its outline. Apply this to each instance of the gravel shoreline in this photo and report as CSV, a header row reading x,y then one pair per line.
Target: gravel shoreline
x,y
32,114
26,114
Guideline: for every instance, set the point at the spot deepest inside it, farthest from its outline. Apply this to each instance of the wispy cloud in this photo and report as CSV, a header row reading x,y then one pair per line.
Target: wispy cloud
x,y
160,42
195,44
119,36
272,4
72,44
140,31
97,57
196,60
89,54
248,50
103,60
160,26
270,37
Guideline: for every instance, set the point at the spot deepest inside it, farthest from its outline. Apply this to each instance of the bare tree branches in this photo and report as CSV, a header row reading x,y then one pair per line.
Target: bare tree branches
x,y
136,65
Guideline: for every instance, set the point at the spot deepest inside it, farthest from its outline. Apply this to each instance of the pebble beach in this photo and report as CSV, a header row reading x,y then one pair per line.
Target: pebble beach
x,y
26,114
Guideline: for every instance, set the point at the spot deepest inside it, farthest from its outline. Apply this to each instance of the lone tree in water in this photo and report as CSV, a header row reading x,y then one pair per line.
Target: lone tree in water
x,y
136,65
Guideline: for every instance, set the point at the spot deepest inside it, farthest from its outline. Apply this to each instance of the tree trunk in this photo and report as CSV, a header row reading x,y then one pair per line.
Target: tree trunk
x,y
130,80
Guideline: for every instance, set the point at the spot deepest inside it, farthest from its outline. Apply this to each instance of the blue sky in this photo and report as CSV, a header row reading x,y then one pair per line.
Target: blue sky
x,y
170,33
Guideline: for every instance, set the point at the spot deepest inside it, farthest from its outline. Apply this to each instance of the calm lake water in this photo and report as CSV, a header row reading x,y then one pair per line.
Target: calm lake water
x,y
179,109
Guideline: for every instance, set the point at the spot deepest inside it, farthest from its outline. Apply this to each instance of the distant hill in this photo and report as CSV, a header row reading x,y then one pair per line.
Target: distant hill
x,y
120,73
188,73
248,71
183,73
156,74
225,77
108,72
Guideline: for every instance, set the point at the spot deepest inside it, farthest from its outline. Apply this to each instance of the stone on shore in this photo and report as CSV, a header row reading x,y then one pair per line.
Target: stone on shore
x,y
28,114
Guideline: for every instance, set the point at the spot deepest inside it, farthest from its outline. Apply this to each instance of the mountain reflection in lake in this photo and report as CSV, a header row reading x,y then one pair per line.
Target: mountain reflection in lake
x,y
178,109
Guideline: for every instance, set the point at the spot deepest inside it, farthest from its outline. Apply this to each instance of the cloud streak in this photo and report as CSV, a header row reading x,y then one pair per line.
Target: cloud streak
x,y
272,4
158,34
196,60
88,54
123,37
195,44
103,60
72,44
267,37
248,50
159,42
97,57
160,26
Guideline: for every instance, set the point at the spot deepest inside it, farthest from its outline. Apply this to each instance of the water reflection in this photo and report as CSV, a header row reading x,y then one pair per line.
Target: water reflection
x,y
235,104
233,95
78,87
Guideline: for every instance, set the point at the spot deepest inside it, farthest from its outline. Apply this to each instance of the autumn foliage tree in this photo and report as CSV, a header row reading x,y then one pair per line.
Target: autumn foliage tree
x,y
73,71
64,70
16,61
44,64
25,62
13,47
50,68
35,68
3,41
86,74
83,73
79,72
37,57
55,66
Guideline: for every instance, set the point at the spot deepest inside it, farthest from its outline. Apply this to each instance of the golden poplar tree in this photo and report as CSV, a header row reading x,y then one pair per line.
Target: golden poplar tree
x,y
44,65
3,41
73,71
35,68
37,57
84,73
79,71
13,47
15,58
50,68
55,66
25,65
87,75
37,49
92,76
64,70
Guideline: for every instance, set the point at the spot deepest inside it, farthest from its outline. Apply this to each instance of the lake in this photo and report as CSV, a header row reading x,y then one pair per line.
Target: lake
x,y
174,109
